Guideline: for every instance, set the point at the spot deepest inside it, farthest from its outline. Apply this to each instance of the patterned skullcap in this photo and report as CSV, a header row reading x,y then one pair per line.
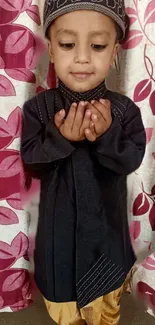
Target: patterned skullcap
x,y
114,9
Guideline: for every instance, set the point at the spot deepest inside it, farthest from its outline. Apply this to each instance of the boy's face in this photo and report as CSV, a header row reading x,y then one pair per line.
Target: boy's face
x,y
82,47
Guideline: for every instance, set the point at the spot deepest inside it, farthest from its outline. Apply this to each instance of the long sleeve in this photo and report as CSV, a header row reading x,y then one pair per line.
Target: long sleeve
x,y
41,144
122,147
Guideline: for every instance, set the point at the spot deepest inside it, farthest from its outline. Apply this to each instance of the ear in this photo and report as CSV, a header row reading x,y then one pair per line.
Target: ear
x,y
50,52
115,52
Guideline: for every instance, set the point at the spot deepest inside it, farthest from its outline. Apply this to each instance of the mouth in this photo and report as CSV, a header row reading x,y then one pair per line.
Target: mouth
x,y
82,75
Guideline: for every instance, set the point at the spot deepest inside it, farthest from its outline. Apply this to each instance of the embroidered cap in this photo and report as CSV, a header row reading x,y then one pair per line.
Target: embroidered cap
x,y
114,9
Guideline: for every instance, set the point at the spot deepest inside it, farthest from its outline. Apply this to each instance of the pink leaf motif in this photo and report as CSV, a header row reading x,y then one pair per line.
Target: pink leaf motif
x,y
15,5
21,74
1,302
8,17
15,122
141,205
149,264
20,305
149,15
152,102
40,90
29,58
142,90
26,289
134,38
13,297
15,201
10,165
152,217
146,293
135,229
132,14
148,134
149,66
10,186
8,217
153,154
20,245
26,292
13,281
6,87
5,141
4,132
5,250
10,253
6,257
33,12
51,78
17,41
151,19
35,52
2,64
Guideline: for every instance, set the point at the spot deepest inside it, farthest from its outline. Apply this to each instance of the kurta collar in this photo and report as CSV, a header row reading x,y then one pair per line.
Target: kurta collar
x,y
72,96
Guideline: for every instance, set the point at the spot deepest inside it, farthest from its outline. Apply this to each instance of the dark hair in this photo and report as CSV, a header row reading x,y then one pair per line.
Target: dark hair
x,y
127,26
118,33
48,34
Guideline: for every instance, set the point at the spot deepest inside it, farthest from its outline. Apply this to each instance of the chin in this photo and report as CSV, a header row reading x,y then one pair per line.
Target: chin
x,y
82,87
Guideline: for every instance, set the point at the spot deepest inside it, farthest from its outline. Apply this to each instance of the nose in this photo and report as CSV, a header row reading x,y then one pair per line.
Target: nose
x,y
82,54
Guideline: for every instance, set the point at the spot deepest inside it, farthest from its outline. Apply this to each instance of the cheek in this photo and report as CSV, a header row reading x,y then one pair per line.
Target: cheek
x,y
104,63
61,62
62,58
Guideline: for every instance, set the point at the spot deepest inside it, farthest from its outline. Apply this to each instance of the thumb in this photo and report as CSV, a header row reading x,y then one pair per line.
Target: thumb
x,y
59,118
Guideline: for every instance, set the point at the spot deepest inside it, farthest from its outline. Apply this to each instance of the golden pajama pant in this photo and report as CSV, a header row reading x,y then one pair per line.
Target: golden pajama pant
x,y
102,311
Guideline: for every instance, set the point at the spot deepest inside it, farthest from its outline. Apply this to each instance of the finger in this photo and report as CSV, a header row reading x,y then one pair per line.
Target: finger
x,y
97,121
104,107
90,135
100,108
105,102
94,110
80,113
69,122
86,120
100,124
92,127
59,118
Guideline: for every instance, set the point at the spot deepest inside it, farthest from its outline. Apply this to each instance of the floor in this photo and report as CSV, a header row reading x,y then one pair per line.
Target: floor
x,y
132,314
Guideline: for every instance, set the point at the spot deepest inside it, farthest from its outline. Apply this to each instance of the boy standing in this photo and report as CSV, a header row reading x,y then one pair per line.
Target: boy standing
x,y
82,141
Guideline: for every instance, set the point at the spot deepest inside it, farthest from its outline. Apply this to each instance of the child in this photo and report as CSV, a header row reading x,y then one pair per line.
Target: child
x,y
82,141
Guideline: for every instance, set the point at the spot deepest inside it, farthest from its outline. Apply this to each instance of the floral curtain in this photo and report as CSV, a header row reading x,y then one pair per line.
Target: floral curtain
x,y
139,81
20,79
20,26
136,79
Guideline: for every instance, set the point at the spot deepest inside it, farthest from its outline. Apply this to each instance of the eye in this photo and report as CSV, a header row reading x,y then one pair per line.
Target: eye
x,y
98,47
67,46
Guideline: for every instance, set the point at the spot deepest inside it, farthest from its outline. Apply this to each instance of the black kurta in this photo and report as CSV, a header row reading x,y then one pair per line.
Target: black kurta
x,y
83,247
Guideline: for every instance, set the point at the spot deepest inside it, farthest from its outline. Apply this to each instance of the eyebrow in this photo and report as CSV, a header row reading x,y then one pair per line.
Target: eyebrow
x,y
66,31
99,33
73,33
